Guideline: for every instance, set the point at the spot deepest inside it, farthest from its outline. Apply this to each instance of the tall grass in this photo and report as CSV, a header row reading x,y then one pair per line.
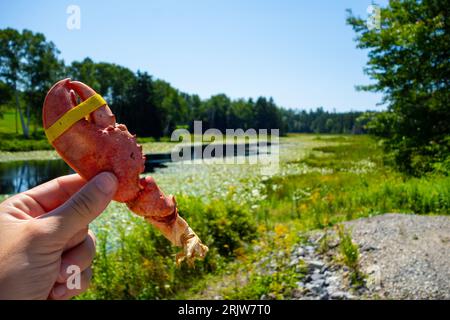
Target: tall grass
x,y
355,182
140,263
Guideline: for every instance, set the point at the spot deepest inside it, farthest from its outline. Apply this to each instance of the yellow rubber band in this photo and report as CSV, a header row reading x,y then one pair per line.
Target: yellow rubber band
x,y
74,115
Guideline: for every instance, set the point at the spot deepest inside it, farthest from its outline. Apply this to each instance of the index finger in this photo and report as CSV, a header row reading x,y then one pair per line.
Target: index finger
x,y
54,193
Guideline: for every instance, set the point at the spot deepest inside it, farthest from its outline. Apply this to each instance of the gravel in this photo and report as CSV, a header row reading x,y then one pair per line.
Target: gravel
x,y
323,279
405,256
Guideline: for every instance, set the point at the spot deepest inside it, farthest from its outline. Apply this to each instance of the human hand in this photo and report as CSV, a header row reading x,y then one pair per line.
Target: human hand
x,y
44,230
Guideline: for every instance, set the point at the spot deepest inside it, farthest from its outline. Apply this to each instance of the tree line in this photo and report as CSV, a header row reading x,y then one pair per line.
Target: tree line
x,y
30,65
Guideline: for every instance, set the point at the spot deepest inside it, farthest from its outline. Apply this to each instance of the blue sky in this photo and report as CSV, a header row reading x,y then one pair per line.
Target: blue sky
x,y
300,52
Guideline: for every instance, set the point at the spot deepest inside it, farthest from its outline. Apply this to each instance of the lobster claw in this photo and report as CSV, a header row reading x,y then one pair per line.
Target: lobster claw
x,y
88,138
64,95
96,142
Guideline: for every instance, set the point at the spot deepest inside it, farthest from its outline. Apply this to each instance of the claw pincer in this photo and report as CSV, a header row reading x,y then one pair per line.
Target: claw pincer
x,y
90,141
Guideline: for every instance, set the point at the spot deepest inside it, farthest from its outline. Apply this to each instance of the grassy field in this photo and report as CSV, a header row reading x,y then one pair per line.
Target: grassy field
x,y
12,141
8,123
15,147
244,216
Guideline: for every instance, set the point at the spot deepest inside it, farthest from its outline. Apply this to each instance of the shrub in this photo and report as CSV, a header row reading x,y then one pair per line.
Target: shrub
x,y
141,263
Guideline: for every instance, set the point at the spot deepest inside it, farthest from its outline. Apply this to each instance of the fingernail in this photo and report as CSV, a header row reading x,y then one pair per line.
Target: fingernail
x,y
59,291
106,182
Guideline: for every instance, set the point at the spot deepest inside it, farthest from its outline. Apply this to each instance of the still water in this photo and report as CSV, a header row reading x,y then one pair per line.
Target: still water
x,y
19,176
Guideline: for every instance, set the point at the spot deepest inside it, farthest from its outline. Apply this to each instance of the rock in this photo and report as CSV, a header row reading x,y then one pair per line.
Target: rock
x,y
332,281
310,249
374,276
300,251
317,276
332,289
315,264
294,261
368,247
297,294
314,288
272,296
318,282
340,295
324,296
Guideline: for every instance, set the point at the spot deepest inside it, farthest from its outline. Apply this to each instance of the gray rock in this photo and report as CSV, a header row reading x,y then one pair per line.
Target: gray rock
x,y
324,296
315,264
317,276
319,282
294,261
332,281
340,295
314,288
300,251
297,294
310,249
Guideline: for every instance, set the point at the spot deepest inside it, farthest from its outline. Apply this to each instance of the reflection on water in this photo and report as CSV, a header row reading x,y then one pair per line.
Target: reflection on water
x,y
19,176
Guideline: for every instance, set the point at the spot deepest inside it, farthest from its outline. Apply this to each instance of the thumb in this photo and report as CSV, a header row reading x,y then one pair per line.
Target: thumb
x,y
85,205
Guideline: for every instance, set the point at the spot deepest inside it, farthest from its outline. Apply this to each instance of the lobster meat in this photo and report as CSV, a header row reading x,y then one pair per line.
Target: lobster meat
x,y
97,143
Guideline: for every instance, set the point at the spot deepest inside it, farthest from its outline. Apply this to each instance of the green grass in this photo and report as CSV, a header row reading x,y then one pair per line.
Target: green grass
x,y
8,123
244,217
349,253
342,178
354,183
10,141
136,262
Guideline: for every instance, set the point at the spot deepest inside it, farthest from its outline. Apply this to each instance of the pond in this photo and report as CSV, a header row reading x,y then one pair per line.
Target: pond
x,y
18,176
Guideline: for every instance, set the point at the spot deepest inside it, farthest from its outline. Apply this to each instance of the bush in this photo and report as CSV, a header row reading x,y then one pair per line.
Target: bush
x,y
13,142
141,264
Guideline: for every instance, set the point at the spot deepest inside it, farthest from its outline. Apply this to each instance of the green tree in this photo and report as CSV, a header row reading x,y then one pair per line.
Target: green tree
x,y
409,61
144,116
215,112
29,66
5,96
85,71
268,115
241,114
173,106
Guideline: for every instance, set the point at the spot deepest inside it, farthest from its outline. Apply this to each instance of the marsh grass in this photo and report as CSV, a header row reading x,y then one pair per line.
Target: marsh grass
x,y
137,262
245,219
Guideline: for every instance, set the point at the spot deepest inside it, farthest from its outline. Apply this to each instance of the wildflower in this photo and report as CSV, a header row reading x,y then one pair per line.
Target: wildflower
x,y
280,230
